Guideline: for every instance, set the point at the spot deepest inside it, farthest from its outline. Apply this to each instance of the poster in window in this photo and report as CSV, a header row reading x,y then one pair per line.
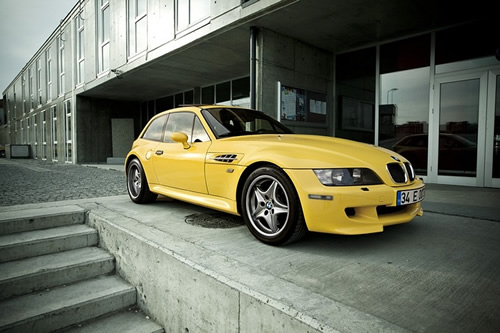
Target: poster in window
x,y
302,105
288,103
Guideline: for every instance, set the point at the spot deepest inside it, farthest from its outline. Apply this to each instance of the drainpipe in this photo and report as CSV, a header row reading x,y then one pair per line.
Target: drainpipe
x,y
253,67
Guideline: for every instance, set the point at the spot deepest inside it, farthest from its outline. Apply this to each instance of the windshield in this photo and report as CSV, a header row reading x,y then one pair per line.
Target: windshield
x,y
226,122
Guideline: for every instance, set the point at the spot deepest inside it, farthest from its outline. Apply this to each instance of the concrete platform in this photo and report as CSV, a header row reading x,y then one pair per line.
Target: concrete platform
x,y
437,273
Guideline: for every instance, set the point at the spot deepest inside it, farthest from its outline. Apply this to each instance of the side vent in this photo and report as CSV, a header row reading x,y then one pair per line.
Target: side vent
x,y
226,158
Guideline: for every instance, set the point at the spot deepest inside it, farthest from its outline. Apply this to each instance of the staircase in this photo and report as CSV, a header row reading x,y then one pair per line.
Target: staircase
x,y
53,277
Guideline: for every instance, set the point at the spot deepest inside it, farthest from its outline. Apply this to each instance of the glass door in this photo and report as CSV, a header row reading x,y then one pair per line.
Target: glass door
x,y
457,141
492,163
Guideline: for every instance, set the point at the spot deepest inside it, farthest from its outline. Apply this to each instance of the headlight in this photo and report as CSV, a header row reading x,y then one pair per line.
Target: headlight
x,y
346,177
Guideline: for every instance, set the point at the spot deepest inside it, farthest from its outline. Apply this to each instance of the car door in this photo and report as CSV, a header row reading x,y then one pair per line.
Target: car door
x,y
177,166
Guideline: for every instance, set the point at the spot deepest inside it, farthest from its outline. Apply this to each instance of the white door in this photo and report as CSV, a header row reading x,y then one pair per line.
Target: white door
x,y
464,128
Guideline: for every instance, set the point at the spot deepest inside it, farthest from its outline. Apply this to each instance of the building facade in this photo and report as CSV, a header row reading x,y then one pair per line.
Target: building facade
x,y
421,78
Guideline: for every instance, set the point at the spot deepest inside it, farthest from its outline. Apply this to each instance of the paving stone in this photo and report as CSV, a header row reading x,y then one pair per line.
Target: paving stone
x,y
34,181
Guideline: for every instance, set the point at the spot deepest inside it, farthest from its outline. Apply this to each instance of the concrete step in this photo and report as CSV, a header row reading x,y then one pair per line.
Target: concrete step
x,y
40,218
40,273
128,321
62,307
39,242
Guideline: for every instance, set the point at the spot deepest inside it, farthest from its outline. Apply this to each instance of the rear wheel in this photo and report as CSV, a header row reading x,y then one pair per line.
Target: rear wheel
x,y
271,207
137,184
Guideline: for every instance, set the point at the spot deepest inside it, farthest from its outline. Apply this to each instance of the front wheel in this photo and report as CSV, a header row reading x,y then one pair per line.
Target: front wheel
x,y
271,207
137,184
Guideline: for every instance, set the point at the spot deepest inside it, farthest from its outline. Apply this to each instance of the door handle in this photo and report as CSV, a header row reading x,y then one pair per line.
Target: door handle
x,y
159,152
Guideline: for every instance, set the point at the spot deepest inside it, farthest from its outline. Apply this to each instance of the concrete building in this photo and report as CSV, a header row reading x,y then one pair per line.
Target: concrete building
x,y
418,77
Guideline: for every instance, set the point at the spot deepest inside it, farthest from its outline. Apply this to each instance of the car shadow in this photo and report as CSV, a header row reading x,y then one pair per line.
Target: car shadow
x,y
393,238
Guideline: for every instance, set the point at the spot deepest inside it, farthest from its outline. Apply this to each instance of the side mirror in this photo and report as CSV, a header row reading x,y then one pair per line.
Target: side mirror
x,y
181,138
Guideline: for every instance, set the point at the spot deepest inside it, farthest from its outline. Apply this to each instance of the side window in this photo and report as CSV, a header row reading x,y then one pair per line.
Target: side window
x,y
179,122
199,133
155,129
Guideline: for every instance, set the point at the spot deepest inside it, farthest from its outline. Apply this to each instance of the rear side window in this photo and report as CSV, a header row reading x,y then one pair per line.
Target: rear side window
x,y
155,129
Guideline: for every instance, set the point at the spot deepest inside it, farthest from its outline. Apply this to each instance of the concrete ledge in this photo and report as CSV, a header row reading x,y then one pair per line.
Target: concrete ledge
x,y
186,287
115,160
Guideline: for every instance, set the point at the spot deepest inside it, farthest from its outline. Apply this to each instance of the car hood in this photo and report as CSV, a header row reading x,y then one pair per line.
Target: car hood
x,y
304,151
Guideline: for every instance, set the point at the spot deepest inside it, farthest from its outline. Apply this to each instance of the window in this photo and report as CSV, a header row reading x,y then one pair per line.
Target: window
x,y
80,50
53,115
301,105
190,12
226,122
23,139
179,122
28,138
155,130
31,88
35,137
44,134
39,80
23,93
14,105
223,92
137,26
404,96
240,88
60,65
3,116
208,95
356,95
103,35
164,103
226,92
199,133
68,133
48,75
188,123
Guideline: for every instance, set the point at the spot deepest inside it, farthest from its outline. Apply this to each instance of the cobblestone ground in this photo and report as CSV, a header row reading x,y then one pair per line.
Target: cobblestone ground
x,y
33,181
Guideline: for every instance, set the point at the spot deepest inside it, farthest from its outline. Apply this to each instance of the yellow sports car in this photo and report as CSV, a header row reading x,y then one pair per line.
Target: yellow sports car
x,y
246,163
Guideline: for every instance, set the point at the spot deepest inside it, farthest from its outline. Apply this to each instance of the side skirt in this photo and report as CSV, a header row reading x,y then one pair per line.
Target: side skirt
x,y
201,199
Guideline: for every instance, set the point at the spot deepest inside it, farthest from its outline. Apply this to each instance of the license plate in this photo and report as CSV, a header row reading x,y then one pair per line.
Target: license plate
x,y
410,197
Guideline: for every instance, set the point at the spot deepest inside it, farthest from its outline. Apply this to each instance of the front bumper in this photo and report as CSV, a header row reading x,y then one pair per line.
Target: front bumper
x,y
351,210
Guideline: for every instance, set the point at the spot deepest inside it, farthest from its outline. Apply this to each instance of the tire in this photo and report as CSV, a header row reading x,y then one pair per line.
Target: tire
x,y
271,207
137,184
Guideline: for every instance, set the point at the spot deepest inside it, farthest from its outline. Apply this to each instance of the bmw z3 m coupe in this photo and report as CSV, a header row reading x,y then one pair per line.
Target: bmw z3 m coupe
x,y
246,163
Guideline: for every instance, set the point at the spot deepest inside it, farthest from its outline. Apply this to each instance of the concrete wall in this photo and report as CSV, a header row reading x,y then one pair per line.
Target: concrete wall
x,y
183,295
94,127
294,64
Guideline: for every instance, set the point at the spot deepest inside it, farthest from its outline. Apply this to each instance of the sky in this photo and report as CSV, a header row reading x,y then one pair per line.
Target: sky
x,y
24,26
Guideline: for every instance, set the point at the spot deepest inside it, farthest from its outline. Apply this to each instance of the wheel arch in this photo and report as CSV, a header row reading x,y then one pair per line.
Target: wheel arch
x,y
248,171
128,160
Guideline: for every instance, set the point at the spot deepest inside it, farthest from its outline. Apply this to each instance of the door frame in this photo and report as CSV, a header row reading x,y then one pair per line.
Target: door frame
x,y
489,181
434,124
